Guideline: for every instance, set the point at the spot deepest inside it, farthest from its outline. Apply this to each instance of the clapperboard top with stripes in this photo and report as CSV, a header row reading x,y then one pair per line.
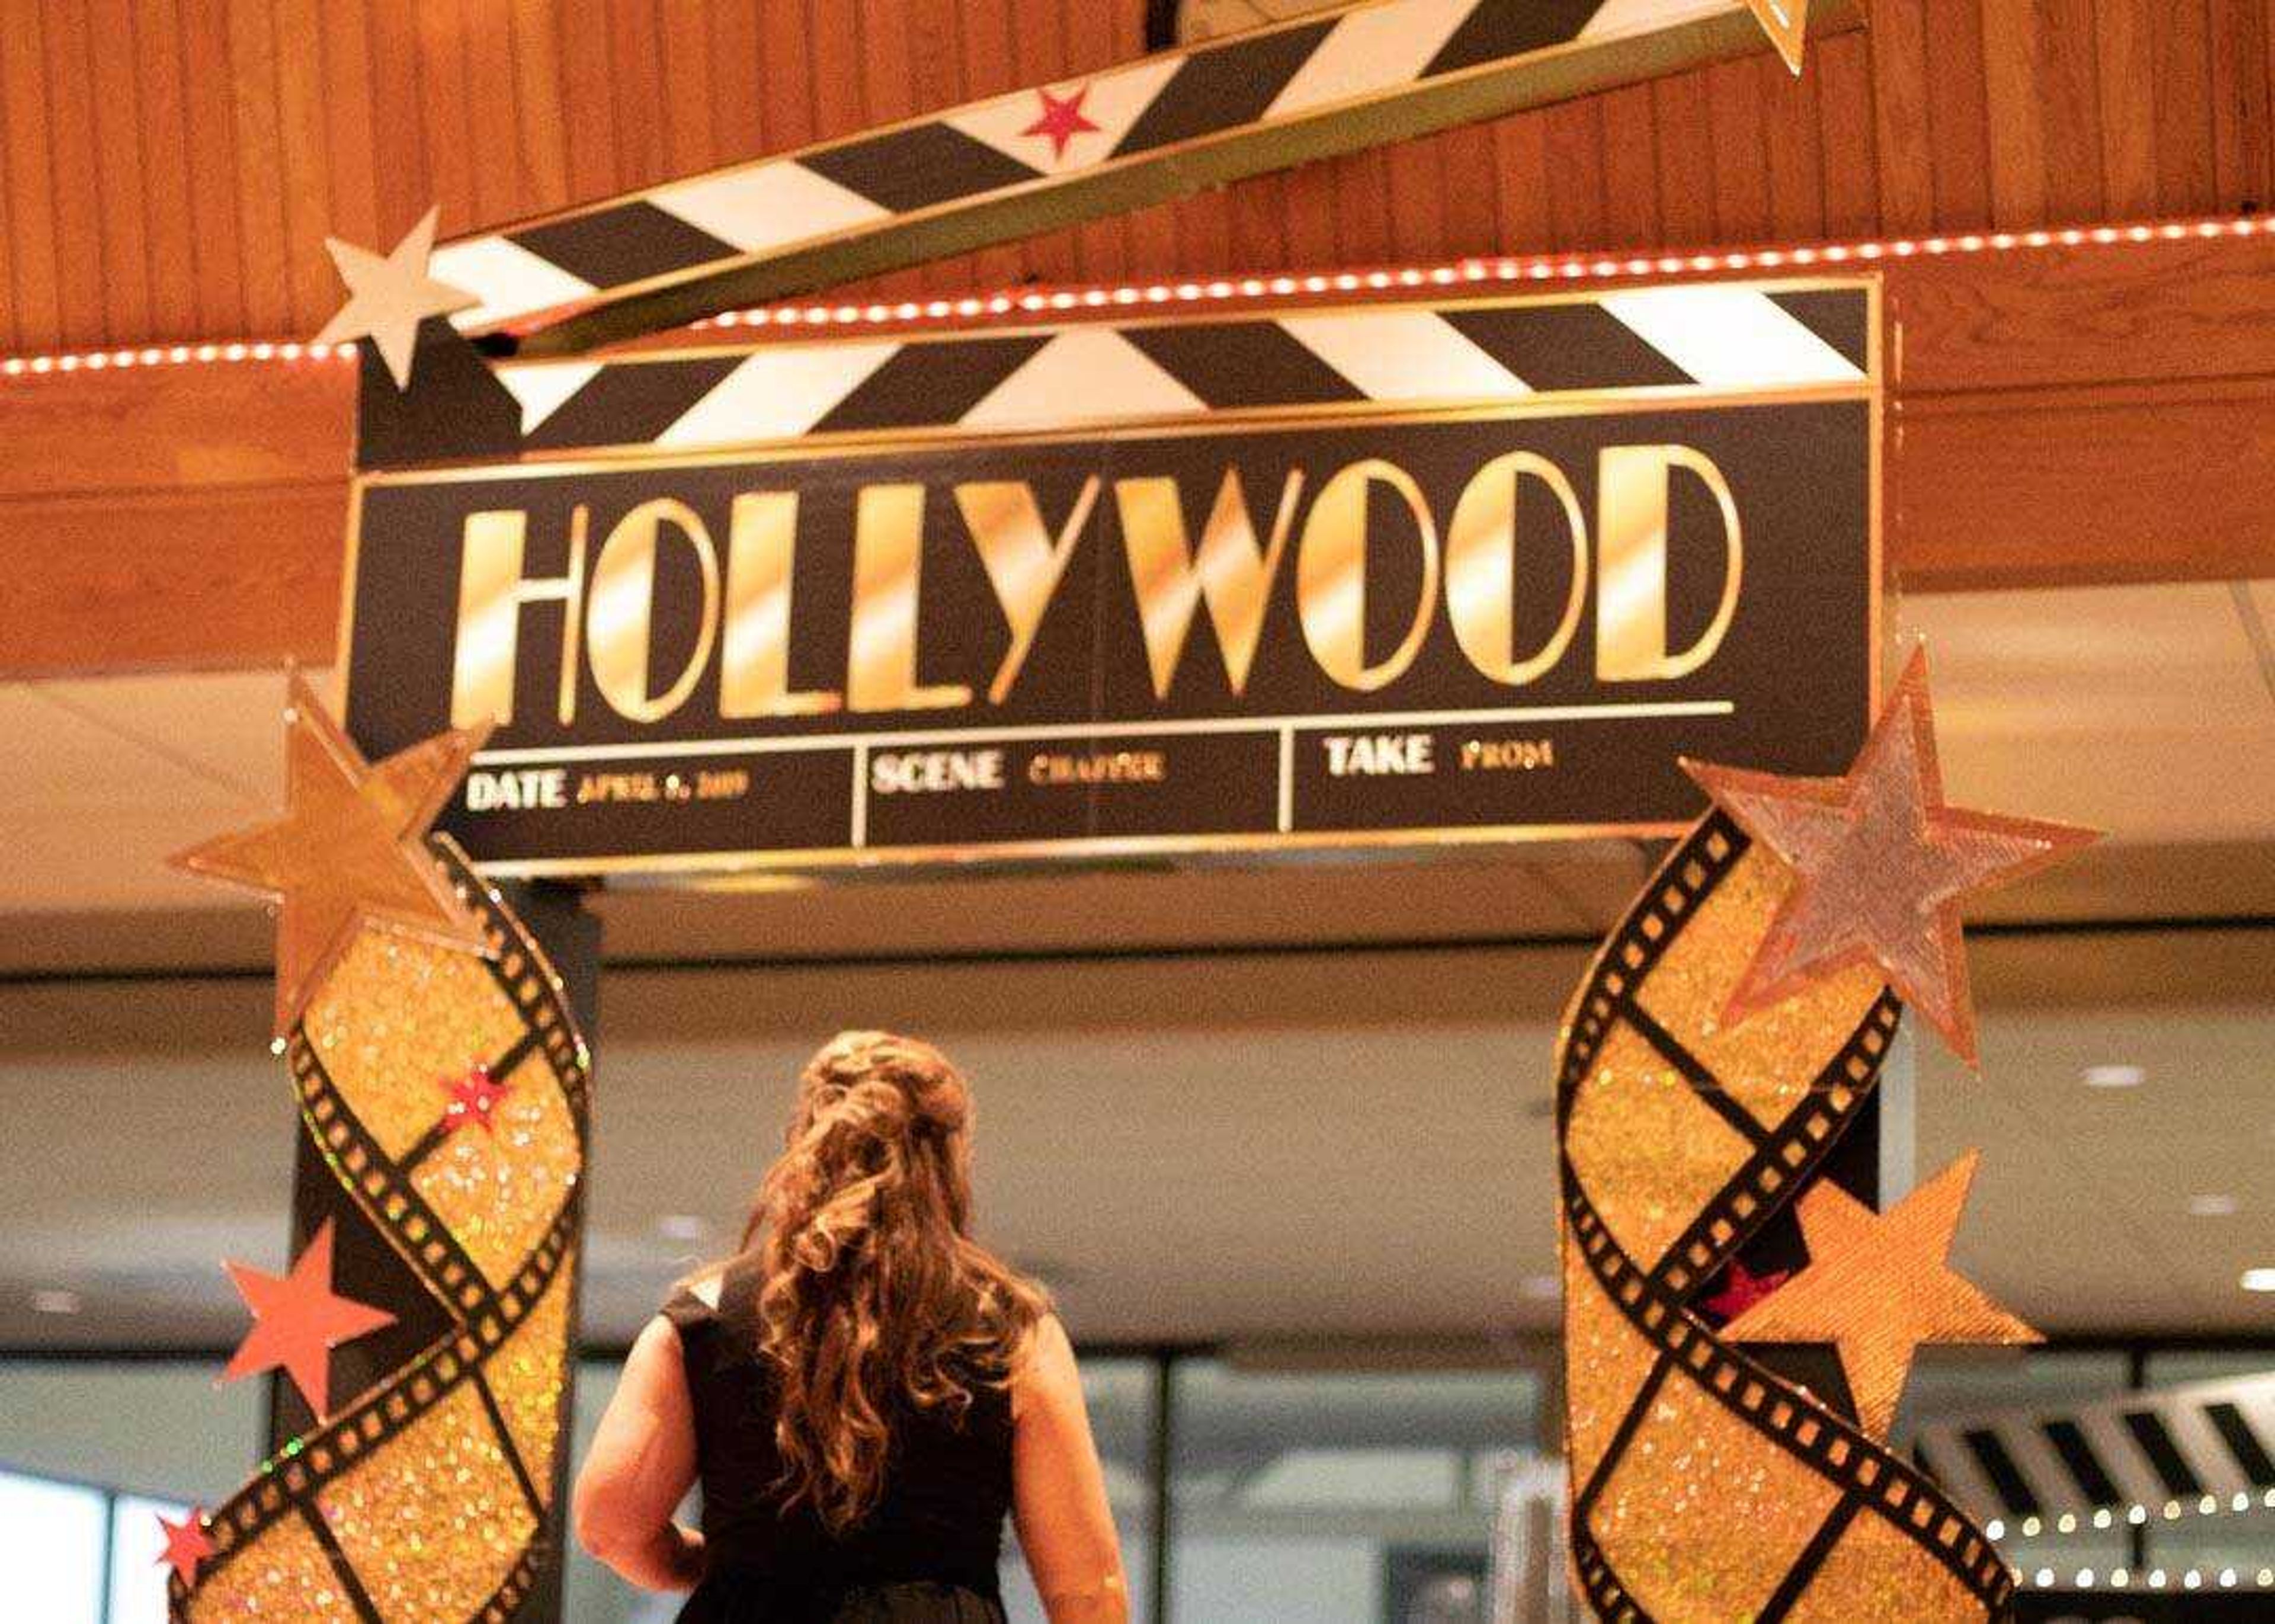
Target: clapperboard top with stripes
x,y
1123,136
1552,351
2205,1446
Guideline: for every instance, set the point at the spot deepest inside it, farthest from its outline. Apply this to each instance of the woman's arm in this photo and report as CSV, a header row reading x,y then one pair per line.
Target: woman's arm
x,y
641,1467
1058,1490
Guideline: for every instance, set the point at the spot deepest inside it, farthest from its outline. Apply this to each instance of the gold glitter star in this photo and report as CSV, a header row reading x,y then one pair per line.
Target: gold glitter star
x,y
390,295
1879,866
1787,23
1878,1285
350,849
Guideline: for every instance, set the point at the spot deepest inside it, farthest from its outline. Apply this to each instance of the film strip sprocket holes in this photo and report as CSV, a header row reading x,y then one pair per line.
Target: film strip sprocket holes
x,y
283,1500
1869,1479
1663,344
1146,130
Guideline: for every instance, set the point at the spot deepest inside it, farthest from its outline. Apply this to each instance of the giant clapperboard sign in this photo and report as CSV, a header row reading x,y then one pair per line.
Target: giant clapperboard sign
x,y
1389,573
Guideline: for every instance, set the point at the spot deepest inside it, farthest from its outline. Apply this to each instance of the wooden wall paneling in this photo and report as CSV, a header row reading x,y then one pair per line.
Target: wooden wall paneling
x,y
1416,172
785,37
402,189
1957,113
1796,169
542,122
2241,118
1903,153
502,188
1362,223
1575,169
1630,168
210,109
308,213
1686,159
264,250
2018,143
1521,146
2186,176
738,128
1310,198
2069,87
2124,53
446,132
123,187
637,84
684,51
588,102
348,81
71,123
33,285
1844,108
1742,176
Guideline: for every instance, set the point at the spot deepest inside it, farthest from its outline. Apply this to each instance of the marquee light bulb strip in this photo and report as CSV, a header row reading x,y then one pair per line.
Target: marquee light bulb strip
x,y
1185,291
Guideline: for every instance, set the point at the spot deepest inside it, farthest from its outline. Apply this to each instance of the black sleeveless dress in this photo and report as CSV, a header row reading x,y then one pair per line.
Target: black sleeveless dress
x,y
926,1553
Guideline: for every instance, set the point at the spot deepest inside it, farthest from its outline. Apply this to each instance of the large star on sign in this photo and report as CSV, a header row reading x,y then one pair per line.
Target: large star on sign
x,y
389,295
187,1545
1877,1286
1880,865
297,1319
1061,120
350,849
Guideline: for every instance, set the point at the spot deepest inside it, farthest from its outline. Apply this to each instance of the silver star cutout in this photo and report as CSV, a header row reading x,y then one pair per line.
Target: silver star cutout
x,y
390,295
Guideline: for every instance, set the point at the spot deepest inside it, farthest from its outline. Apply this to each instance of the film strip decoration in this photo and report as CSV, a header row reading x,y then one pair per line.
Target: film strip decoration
x,y
1663,343
432,1494
1707,1485
2203,1448
1151,129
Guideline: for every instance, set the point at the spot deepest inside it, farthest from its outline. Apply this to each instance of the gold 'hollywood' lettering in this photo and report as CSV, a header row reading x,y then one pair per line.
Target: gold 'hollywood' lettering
x,y
608,599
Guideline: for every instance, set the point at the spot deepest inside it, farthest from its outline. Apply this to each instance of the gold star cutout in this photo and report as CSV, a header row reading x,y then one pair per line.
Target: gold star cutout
x,y
1880,865
387,297
1878,1285
1787,23
349,851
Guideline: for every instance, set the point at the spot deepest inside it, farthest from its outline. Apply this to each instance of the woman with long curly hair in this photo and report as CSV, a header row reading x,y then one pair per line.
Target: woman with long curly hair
x,y
863,1391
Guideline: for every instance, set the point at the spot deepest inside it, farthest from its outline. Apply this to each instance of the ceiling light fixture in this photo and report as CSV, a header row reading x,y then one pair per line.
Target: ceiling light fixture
x,y
55,1302
2259,1279
2114,1077
2212,1205
683,1226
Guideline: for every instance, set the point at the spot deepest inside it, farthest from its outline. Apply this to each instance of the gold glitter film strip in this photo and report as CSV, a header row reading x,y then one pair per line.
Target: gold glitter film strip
x,y
277,1525
1812,1475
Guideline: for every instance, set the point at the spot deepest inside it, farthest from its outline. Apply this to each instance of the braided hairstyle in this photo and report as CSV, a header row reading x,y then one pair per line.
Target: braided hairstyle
x,y
873,1294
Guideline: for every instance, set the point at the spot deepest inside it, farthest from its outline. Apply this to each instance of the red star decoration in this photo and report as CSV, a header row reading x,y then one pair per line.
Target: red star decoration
x,y
187,1545
1061,120
1742,1288
1880,865
298,1320
474,1099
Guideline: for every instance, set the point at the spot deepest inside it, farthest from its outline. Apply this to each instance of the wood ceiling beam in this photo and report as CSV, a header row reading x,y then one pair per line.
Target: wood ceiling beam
x,y
2058,416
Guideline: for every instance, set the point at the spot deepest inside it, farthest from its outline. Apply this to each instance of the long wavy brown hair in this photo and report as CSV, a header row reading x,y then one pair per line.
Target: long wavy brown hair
x,y
873,1293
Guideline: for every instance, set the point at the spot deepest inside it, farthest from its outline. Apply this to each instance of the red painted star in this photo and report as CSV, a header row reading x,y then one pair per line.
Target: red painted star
x,y
475,1098
1879,866
1742,1288
187,1545
1061,120
297,1319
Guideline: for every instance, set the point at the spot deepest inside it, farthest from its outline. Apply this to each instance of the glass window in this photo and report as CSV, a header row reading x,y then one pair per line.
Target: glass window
x,y
1120,1394
1340,1498
157,1427
51,1538
138,1546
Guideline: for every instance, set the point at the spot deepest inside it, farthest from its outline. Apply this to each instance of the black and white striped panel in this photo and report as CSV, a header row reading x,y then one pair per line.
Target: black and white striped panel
x,y
775,205
2207,1443
1717,338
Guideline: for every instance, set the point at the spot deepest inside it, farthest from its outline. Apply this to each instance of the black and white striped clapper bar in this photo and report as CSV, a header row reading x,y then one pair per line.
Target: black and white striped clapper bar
x,y
2209,1447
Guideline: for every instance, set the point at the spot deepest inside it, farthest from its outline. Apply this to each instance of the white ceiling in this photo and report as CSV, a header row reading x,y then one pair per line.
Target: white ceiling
x,y
1194,1144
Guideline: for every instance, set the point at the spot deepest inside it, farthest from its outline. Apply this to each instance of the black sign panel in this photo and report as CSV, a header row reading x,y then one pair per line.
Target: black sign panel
x,y
1357,626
